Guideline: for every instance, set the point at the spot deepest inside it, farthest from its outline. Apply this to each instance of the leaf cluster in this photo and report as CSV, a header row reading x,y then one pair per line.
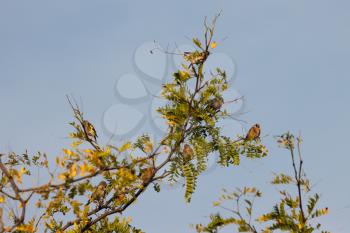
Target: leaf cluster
x,y
289,214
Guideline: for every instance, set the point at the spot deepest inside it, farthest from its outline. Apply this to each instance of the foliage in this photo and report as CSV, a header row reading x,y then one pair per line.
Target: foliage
x,y
290,214
92,184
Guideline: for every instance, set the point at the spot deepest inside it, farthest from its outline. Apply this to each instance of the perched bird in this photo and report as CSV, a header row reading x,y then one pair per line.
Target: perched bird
x,y
187,152
89,130
253,133
216,103
99,193
196,58
146,174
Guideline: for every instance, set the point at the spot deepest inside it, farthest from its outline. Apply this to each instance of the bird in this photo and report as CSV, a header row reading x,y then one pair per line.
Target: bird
x,y
216,103
147,174
99,193
187,152
196,58
89,130
253,133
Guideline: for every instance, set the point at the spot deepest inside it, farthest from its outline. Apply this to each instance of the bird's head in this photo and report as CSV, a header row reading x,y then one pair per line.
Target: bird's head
x,y
102,184
257,126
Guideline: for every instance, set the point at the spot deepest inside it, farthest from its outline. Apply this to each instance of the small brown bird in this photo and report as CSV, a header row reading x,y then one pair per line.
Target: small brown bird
x,y
89,129
146,174
253,133
196,58
187,152
99,193
216,103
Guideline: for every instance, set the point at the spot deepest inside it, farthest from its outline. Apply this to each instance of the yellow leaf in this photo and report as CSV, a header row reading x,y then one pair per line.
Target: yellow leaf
x,y
126,174
68,152
125,147
62,177
86,210
249,190
75,226
91,169
263,218
2,199
171,123
57,160
213,45
216,203
17,175
76,144
105,152
25,228
88,151
300,226
73,170
83,168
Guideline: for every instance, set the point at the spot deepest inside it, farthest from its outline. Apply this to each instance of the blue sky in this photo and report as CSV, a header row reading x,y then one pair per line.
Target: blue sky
x,y
292,61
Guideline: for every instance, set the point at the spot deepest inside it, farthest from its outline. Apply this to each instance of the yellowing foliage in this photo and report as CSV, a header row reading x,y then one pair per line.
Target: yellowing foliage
x,y
124,147
26,228
73,170
68,152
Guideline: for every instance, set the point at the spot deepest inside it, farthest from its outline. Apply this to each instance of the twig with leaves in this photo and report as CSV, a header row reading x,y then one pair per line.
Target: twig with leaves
x,y
290,214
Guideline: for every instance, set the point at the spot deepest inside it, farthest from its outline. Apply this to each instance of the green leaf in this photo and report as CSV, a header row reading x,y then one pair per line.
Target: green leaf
x,y
197,43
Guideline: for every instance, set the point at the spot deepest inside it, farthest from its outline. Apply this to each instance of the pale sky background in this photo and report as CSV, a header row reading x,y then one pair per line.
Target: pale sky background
x,y
292,57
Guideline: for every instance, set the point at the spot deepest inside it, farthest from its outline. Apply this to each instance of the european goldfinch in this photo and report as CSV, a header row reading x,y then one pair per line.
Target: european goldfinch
x,y
89,129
